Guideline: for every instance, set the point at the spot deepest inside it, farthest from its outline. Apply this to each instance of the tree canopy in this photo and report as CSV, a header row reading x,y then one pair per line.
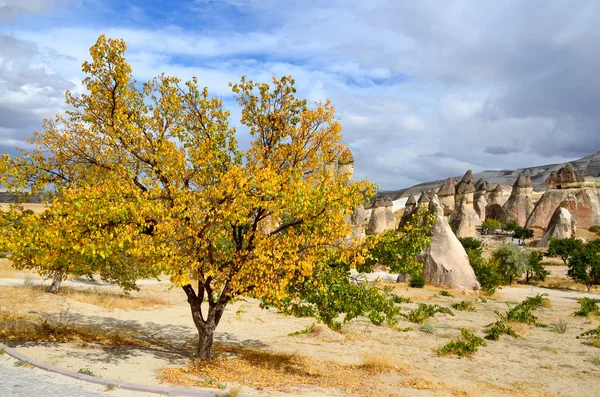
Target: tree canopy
x,y
148,177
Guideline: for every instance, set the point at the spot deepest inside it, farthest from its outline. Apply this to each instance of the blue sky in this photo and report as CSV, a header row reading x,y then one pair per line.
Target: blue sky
x,y
424,89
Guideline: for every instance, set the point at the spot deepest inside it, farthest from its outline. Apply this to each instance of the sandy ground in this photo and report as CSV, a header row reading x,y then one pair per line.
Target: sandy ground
x,y
542,363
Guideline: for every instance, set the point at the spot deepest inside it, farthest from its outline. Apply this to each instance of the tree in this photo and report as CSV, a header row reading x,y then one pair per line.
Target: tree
x,y
511,261
491,224
535,269
522,233
470,243
510,225
485,271
150,175
584,266
563,248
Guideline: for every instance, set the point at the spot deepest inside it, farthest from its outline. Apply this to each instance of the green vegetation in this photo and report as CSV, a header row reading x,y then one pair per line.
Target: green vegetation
x,y
304,331
86,371
485,273
595,333
464,306
427,328
563,248
560,326
510,225
465,346
535,269
417,282
491,224
511,261
522,233
424,311
522,313
446,293
587,306
400,299
495,330
584,265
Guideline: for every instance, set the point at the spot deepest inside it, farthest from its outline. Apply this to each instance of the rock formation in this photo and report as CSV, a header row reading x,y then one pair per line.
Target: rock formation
x,y
495,195
446,196
519,205
445,262
584,203
465,189
479,200
409,209
465,219
382,217
346,166
561,226
359,219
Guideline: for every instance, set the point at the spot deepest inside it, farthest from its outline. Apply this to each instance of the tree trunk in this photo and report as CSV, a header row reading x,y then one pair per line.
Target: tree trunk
x,y
205,344
56,280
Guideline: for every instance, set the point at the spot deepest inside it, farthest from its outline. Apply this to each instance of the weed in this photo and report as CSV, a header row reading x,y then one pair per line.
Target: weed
x,y
21,363
587,306
233,392
2,351
86,371
521,313
465,346
240,311
110,388
400,299
304,331
405,329
592,332
425,311
377,363
464,306
560,326
427,328
500,328
446,293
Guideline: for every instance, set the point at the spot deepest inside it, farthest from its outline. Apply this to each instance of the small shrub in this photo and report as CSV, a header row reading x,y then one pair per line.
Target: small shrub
x,y
86,371
560,326
464,306
470,243
521,313
465,346
481,299
424,311
587,306
594,229
500,328
491,224
417,282
304,331
427,328
400,299
2,351
377,363
595,333
405,329
110,388
446,293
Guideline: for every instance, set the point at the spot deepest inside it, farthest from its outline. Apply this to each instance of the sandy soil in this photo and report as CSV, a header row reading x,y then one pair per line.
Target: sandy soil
x,y
542,363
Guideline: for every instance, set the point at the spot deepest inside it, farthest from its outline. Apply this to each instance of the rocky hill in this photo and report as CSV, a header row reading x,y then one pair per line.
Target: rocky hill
x,y
589,165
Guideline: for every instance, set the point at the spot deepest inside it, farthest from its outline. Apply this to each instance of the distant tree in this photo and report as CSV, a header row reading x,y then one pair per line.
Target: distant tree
x,y
470,243
491,224
535,269
584,266
563,248
522,233
511,261
510,225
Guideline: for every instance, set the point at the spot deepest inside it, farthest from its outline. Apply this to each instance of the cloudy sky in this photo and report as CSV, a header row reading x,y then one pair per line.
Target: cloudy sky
x,y
424,89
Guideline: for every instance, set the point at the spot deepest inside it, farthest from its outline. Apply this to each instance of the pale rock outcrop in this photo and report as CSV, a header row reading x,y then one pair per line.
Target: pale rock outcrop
x,y
359,219
424,199
409,209
382,217
495,195
446,195
445,262
465,220
519,205
584,203
479,200
561,226
346,166
465,190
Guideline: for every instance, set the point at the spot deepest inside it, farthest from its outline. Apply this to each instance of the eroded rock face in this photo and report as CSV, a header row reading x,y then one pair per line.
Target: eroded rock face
x,y
479,199
445,262
409,208
446,195
585,206
560,226
382,217
465,190
519,205
359,220
564,177
465,220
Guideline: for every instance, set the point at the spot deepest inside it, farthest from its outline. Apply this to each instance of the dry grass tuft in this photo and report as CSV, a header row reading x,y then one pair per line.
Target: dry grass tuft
x,y
276,371
519,328
595,342
377,363
546,303
28,328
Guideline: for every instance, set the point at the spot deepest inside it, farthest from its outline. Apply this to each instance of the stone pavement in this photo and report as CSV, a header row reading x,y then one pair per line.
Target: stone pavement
x,y
17,380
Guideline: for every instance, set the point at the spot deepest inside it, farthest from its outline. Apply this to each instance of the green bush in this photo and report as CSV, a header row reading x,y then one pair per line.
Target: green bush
x,y
400,299
491,224
563,248
510,225
584,265
424,311
470,243
486,274
499,328
465,346
417,282
522,313
587,306
594,229
535,269
511,261
446,293
464,306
